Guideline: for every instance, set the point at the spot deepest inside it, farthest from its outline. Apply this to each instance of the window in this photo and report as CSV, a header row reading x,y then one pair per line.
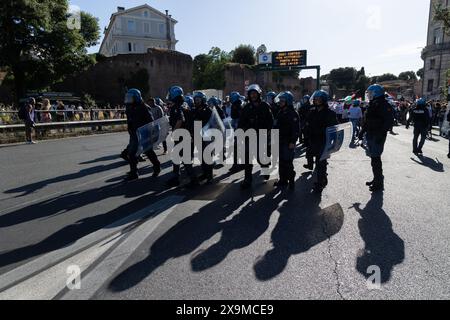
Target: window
x,y
432,64
430,85
131,26
134,47
437,36
146,14
130,48
161,28
146,28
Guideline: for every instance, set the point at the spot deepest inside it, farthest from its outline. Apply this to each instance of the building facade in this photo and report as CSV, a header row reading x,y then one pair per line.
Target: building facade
x,y
436,56
135,30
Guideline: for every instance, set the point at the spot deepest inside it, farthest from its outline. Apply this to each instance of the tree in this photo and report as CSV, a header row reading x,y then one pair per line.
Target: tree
x,y
420,73
244,54
442,14
408,76
343,78
209,69
37,45
384,77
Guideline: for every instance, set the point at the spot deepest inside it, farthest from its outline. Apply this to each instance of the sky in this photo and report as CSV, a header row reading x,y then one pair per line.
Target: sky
x,y
381,35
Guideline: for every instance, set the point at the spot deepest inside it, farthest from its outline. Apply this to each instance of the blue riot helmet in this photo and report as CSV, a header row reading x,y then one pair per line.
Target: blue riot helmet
x,y
213,101
201,96
421,102
189,101
133,96
321,97
234,97
306,99
375,91
270,97
287,97
356,103
174,93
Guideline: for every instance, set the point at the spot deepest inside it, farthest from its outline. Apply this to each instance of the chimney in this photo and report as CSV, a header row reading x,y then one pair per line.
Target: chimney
x,y
168,29
120,9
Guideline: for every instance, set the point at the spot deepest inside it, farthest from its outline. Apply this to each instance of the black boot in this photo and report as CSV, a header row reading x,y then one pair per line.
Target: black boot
x,y
131,176
292,181
156,171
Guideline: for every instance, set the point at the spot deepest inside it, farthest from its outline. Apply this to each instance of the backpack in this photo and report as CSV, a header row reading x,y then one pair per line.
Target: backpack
x,y
22,113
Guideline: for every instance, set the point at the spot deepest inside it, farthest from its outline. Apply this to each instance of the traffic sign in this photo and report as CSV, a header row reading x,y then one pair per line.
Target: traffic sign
x,y
289,59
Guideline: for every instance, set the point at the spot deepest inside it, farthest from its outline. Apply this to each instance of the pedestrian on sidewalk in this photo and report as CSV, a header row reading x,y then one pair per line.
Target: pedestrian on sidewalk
x,y
27,114
355,115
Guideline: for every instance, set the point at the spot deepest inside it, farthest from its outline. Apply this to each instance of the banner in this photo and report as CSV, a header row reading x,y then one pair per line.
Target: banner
x,y
152,135
339,138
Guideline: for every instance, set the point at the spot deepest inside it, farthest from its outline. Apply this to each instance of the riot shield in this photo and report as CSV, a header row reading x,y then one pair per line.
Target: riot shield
x,y
152,135
339,138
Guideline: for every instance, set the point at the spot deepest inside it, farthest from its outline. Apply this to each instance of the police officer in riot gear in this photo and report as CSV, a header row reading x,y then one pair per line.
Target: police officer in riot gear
x,y
303,113
138,115
255,115
319,119
288,125
376,125
203,113
420,116
180,118
236,109
270,99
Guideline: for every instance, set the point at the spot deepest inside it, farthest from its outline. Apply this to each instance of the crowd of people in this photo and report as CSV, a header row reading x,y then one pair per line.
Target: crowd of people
x,y
306,122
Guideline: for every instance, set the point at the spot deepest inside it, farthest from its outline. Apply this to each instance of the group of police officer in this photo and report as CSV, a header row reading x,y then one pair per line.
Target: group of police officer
x,y
309,124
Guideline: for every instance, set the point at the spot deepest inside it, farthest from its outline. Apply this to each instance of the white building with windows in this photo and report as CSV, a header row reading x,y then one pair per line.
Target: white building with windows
x,y
138,29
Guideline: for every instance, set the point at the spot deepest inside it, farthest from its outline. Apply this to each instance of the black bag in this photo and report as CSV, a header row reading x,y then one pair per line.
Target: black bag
x,y
23,113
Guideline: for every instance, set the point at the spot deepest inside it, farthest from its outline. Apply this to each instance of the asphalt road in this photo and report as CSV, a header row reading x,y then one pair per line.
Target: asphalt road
x,y
63,204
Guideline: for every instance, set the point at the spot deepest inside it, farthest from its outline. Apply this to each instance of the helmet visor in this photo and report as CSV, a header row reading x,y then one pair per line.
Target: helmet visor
x,y
370,95
129,98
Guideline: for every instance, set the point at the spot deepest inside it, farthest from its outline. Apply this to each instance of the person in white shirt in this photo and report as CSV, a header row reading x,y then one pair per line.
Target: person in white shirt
x,y
355,116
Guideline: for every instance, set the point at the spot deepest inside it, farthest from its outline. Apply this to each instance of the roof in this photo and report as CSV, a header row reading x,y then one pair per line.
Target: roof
x,y
118,13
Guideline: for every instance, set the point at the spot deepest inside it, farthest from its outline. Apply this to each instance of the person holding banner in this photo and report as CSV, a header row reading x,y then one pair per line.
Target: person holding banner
x,y
256,115
138,115
288,125
317,123
202,113
377,123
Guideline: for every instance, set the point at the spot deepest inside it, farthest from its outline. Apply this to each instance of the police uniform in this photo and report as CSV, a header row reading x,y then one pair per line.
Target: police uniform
x,y
257,117
377,123
203,114
288,126
421,119
316,126
139,115
179,113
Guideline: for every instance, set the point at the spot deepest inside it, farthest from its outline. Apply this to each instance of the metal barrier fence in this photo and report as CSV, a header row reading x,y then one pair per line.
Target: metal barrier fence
x,y
59,116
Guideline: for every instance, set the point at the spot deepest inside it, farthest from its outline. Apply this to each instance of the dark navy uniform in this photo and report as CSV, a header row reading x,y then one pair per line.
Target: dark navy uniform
x,y
421,119
139,115
178,113
257,117
203,114
288,126
316,127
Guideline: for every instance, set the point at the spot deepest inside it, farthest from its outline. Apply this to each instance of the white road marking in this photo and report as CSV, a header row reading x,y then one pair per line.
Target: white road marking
x,y
51,259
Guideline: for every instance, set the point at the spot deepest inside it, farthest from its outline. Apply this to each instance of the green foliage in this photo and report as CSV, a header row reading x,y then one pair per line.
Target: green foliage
x,y
384,77
420,73
408,76
244,54
442,14
37,45
88,101
209,69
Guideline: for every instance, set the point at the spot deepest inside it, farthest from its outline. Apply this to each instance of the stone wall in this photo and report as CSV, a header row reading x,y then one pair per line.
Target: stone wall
x,y
236,77
106,82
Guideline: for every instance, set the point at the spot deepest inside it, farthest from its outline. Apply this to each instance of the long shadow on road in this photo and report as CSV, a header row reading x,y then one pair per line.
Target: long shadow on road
x,y
383,247
189,234
302,225
64,204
